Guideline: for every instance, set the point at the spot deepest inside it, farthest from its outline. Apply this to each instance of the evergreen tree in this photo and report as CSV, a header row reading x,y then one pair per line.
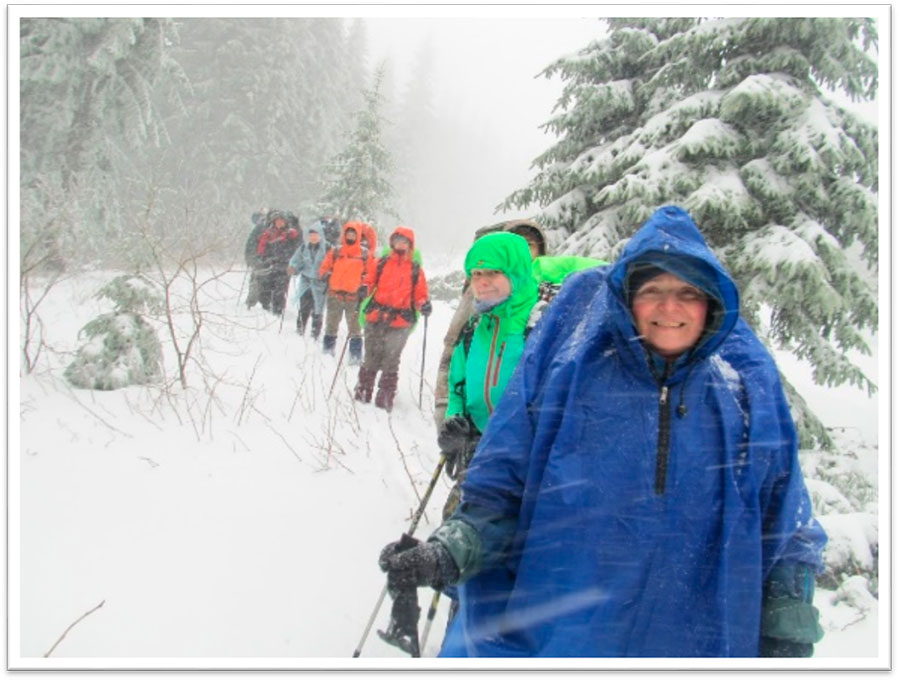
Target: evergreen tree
x,y
121,348
726,118
86,106
269,101
359,187
174,130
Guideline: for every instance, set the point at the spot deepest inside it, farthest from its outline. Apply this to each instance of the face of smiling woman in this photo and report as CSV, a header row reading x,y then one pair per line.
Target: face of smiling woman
x,y
669,314
490,284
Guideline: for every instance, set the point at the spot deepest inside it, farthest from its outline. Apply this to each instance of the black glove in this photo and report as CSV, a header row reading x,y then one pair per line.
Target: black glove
x,y
426,308
361,293
410,563
456,440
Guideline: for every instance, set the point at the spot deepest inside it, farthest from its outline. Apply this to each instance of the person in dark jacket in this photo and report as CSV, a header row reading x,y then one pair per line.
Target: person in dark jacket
x,y
259,218
637,491
398,291
331,230
276,246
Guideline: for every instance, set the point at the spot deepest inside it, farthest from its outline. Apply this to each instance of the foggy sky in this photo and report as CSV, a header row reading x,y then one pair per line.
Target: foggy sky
x,y
485,78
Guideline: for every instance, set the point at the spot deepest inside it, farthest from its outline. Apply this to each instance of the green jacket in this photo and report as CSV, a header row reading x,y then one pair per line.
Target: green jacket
x,y
478,377
553,269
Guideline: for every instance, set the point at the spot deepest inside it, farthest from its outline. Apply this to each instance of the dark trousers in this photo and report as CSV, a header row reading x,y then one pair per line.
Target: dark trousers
x,y
307,308
273,291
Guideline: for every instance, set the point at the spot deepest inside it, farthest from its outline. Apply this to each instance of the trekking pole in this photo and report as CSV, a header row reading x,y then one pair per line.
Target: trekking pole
x,y
422,373
338,368
412,528
429,619
243,283
284,307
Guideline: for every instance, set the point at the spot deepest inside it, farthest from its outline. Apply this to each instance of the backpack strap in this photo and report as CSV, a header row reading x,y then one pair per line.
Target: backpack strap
x,y
465,337
382,261
407,314
412,291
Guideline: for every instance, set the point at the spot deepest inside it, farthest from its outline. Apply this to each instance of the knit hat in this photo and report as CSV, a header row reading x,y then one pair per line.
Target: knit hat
x,y
639,273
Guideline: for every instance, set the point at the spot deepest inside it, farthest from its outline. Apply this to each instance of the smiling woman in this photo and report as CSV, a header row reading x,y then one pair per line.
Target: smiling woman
x,y
669,314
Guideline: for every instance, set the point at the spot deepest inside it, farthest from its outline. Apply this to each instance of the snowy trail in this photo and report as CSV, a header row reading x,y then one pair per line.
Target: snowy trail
x,y
251,540
244,528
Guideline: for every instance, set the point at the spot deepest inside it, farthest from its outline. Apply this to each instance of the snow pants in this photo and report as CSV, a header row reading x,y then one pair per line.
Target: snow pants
x,y
338,305
273,290
254,287
384,345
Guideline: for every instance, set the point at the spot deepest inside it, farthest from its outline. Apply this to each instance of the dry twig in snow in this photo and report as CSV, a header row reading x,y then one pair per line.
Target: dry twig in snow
x,y
59,640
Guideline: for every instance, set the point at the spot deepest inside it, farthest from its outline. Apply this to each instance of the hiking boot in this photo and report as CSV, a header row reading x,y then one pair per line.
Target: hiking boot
x,y
365,385
328,343
316,326
387,388
356,346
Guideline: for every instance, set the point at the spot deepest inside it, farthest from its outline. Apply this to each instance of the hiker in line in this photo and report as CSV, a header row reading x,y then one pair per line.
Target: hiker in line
x,y
368,238
537,245
344,269
549,271
331,230
260,219
276,246
488,347
310,295
637,492
398,290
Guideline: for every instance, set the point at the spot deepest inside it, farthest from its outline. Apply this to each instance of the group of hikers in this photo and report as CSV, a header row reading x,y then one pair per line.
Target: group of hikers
x,y
624,461
341,275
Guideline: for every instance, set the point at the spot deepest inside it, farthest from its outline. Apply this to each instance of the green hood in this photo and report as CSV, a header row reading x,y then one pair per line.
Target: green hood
x,y
508,253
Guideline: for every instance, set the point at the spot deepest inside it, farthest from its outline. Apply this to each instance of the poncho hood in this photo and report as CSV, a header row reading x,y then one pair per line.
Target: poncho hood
x,y
672,242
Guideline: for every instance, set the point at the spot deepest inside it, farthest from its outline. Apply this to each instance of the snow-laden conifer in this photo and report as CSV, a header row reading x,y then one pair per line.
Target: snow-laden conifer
x,y
730,119
120,348
86,106
359,185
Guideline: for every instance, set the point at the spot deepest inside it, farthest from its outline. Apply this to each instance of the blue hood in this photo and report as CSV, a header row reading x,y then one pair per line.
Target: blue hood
x,y
671,241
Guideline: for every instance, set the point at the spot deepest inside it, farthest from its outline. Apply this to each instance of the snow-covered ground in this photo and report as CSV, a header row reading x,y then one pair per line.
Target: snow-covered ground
x,y
237,523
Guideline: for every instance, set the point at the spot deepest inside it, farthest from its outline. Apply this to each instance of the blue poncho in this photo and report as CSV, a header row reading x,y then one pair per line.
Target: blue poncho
x,y
635,515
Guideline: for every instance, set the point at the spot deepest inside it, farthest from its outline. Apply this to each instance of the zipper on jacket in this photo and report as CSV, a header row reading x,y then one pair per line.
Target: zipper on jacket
x,y
497,365
662,446
487,373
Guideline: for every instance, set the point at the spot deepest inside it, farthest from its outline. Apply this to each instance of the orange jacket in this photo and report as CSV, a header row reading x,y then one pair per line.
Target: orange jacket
x,y
395,300
347,265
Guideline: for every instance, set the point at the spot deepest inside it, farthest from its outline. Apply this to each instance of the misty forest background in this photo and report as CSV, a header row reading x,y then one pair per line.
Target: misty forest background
x,y
146,145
